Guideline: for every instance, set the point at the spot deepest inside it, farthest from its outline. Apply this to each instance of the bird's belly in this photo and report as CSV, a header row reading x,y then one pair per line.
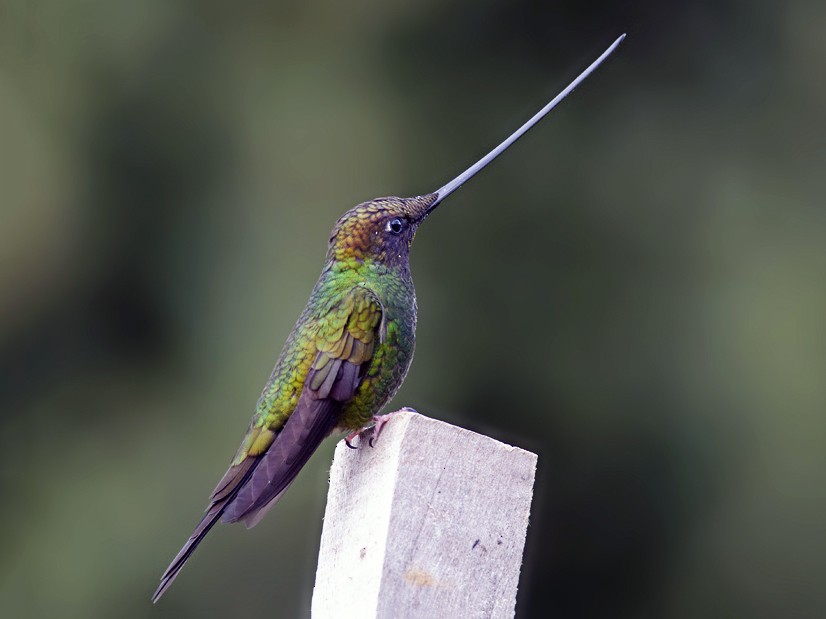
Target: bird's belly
x,y
387,371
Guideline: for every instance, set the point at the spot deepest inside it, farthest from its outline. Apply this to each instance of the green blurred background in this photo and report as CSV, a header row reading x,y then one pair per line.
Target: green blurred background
x,y
636,291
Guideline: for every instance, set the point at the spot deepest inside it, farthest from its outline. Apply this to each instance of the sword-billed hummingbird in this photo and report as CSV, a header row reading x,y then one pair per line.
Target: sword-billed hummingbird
x,y
347,354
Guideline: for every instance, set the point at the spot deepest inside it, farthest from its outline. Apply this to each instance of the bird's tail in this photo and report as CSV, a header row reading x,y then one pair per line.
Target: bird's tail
x,y
247,491
223,495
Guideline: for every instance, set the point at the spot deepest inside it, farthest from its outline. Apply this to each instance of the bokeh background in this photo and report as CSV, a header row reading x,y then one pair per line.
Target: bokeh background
x,y
636,291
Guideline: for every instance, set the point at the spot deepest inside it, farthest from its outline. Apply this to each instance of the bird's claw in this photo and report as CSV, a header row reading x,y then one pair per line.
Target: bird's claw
x,y
379,421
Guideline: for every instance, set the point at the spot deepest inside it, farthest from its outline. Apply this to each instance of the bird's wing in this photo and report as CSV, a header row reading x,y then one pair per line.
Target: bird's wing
x,y
344,342
270,458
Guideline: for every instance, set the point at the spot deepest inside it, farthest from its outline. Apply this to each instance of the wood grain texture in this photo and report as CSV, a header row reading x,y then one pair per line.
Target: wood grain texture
x,y
429,523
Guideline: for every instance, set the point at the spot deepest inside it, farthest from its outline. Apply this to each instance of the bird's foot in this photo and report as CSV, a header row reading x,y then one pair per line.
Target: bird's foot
x,y
379,421
374,429
351,436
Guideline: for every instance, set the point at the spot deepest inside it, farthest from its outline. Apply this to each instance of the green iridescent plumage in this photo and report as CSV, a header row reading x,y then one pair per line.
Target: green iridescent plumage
x,y
346,356
362,309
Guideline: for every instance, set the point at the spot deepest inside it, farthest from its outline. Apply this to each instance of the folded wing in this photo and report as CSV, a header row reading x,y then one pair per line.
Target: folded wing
x,y
271,457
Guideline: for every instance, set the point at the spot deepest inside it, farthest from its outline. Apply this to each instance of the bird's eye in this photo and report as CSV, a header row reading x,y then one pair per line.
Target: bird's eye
x,y
395,226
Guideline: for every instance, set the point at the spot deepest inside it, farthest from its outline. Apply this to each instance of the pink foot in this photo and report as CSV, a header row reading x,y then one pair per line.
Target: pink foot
x,y
374,429
351,436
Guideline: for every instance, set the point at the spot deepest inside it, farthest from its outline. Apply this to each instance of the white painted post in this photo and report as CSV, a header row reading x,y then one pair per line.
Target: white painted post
x,y
430,523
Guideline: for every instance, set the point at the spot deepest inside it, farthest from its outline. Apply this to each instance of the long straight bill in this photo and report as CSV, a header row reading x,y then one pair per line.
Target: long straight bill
x,y
457,182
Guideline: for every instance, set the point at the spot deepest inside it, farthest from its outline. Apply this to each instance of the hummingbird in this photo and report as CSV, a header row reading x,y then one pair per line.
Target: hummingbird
x,y
347,355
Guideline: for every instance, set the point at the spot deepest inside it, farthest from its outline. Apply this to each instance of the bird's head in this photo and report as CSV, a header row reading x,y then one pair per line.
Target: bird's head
x,y
380,230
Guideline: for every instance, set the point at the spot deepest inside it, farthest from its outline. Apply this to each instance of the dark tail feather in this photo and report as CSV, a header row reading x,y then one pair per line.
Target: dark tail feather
x,y
310,423
191,544
248,491
227,488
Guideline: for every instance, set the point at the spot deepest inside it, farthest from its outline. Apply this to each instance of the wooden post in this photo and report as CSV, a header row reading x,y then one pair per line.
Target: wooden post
x,y
429,523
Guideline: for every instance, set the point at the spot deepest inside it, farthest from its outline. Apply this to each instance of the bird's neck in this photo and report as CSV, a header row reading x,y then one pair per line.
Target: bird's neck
x,y
386,280
369,268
